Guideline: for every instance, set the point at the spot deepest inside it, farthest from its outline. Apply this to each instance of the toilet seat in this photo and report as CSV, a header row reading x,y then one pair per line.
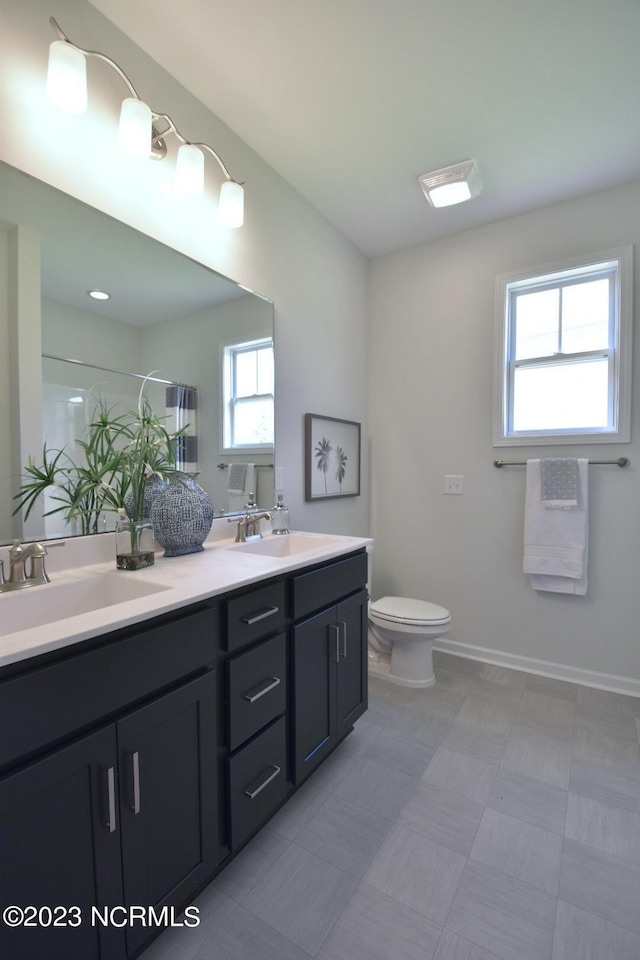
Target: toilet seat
x,y
403,610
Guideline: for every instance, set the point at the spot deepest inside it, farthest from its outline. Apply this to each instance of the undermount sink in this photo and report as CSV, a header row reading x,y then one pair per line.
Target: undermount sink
x,y
38,606
287,545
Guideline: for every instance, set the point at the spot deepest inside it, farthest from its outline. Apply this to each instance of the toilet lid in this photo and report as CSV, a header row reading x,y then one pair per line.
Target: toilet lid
x,y
404,610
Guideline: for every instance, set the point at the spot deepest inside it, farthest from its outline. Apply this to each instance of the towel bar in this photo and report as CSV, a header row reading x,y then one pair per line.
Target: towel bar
x,y
620,462
259,466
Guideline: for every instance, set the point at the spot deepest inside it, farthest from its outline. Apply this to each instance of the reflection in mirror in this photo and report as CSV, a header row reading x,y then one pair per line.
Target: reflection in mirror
x,y
71,393
165,313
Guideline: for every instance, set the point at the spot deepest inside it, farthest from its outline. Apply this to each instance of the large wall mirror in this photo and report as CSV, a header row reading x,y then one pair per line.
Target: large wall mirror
x,y
166,314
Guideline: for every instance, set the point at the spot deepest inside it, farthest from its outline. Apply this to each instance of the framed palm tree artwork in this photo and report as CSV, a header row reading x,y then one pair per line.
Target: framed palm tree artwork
x,y
332,457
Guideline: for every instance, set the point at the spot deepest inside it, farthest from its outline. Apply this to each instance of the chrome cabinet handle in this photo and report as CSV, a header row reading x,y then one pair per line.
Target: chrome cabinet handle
x,y
254,793
335,629
111,800
252,697
135,780
342,624
261,615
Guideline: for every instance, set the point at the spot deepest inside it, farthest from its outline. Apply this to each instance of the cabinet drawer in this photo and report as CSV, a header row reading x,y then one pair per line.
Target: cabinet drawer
x,y
257,781
326,585
257,684
51,702
254,615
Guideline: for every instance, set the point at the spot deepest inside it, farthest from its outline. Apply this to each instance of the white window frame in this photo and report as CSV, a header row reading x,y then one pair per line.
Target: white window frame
x,y
620,260
228,350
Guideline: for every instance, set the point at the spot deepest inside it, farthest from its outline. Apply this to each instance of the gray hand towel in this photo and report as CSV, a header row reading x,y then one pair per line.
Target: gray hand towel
x,y
559,482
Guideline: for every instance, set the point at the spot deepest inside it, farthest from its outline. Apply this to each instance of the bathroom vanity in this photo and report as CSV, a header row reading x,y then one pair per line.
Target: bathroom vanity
x,y
144,743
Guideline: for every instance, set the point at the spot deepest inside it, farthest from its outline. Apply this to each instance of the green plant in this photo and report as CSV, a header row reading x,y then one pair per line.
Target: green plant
x,y
120,452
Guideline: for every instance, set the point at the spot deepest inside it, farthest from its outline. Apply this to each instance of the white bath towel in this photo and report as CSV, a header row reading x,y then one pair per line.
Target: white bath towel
x,y
241,482
556,542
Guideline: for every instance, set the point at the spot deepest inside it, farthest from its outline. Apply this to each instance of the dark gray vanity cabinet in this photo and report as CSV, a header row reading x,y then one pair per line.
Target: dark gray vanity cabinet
x,y
329,650
134,766
257,690
122,816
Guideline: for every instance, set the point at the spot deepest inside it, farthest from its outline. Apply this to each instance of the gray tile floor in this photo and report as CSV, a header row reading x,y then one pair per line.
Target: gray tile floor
x,y
495,815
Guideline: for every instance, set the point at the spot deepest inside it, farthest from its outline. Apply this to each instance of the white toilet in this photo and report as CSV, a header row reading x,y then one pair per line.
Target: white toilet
x,y
401,632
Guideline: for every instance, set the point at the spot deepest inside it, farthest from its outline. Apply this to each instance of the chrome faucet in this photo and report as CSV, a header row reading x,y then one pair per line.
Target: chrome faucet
x,y
249,526
19,554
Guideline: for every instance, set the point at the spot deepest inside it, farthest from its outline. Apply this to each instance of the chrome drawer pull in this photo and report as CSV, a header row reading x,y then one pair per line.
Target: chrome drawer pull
x,y
111,800
135,769
342,623
335,630
254,793
262,615
251,698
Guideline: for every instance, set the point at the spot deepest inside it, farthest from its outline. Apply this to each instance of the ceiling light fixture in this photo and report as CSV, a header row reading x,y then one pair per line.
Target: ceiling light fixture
x,y
141,131
450,185
99,294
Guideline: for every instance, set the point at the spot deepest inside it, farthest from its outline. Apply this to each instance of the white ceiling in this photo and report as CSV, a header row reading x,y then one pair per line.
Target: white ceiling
x,y
350,100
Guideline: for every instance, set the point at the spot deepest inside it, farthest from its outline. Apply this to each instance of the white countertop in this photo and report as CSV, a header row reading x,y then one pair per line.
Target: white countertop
x,y
220,568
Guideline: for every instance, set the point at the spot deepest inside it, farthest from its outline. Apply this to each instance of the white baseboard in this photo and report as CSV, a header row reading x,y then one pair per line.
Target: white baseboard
x,y
543,668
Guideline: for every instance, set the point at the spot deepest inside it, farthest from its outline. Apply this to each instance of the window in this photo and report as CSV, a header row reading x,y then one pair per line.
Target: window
x,y
564,353
248,375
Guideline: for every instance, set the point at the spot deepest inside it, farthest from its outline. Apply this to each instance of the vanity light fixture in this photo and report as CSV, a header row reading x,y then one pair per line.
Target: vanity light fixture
x,y
190,170
450,185
67,77
141,132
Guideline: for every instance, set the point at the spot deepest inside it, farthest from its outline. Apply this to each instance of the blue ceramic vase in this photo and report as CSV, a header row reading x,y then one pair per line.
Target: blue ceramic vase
x,y
153,486
181,516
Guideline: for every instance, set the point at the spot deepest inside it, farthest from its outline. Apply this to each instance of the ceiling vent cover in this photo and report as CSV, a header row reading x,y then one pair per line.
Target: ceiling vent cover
x,y
450,185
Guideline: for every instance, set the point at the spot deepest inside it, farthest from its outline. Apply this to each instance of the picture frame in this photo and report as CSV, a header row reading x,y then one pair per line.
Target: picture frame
x,y
332,457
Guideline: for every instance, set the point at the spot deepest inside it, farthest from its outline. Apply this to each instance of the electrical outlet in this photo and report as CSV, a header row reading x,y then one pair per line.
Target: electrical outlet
x,y
454,484
278,478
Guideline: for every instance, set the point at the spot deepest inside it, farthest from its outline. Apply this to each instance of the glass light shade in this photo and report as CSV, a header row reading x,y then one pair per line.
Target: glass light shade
x,y
134,132
450,193
231,207
67,77
189,176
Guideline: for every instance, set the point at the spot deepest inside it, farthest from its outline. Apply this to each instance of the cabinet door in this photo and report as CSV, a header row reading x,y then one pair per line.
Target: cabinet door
x,y
60,846
167,755
351,694
314,685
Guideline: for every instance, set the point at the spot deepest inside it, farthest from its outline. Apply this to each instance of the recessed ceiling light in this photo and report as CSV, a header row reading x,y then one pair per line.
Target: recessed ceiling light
x,y
99,294
450,185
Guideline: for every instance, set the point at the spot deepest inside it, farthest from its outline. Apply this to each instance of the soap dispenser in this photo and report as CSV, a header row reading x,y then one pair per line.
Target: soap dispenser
x,y
280,517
